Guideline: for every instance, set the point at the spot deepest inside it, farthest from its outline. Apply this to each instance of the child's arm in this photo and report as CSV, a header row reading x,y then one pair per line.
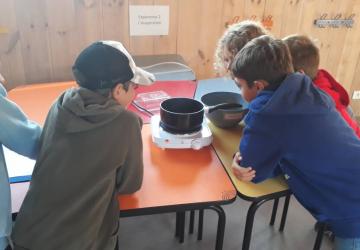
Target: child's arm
x,y
17,132
130,175
260,150
242,173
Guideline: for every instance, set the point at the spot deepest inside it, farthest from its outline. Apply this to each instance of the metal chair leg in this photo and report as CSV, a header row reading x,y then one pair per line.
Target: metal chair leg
x,y
284,214
200,224
321,229
191,224
274,211
250,222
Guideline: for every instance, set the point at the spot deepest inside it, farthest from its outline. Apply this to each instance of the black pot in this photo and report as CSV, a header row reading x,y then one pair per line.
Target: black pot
x,y
181,115
225,117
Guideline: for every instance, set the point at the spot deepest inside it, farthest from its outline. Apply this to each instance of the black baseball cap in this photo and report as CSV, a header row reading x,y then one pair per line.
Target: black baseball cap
x,y
104,64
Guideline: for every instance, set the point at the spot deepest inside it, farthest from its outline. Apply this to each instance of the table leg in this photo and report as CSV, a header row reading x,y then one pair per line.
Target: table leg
x,y
191,224
181,226
221,227
284,214
319,236
200,224
274,211
250,222
177,225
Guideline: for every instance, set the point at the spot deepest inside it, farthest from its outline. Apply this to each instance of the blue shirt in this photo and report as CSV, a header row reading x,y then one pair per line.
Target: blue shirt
x,y
296,130
20,135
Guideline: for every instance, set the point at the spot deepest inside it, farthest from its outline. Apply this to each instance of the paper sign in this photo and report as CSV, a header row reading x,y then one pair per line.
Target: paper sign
x,y
149,20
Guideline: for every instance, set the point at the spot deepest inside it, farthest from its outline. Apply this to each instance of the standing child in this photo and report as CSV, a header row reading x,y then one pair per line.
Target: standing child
x,y
306,58
21,135
293,126
91,151
233,40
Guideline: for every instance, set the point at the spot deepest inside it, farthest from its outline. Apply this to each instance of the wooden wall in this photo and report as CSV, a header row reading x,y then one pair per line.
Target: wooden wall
x,y
39,39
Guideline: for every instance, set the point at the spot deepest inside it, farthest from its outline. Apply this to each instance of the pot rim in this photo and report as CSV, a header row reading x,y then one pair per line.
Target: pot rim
x,y
202,110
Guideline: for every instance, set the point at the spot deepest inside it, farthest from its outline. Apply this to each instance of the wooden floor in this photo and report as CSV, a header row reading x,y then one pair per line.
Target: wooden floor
x,y
157,232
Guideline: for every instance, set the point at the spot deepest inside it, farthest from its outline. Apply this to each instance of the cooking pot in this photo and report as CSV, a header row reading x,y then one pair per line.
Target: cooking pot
x,y
181,115
185,115
225,117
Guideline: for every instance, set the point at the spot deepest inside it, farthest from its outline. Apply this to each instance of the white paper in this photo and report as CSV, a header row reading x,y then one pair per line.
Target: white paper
x,y
149,20
18,165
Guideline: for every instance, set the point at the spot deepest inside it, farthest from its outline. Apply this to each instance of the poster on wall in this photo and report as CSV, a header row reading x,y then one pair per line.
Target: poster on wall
x,y
149,20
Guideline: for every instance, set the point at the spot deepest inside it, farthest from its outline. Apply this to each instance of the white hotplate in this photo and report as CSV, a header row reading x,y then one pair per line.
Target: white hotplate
x,y
164,139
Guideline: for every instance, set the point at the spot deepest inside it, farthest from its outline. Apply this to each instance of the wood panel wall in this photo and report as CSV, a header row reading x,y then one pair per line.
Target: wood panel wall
x,y
39,39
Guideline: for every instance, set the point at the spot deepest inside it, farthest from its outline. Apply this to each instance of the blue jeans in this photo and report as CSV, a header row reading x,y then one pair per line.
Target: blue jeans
x,y
347,244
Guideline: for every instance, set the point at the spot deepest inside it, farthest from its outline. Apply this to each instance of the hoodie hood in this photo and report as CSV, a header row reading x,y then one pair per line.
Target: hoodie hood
x,y
327,83
81,109
296,95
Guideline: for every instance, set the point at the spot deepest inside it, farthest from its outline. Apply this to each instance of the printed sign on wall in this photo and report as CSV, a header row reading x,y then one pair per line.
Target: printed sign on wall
x,y
149,20
337,21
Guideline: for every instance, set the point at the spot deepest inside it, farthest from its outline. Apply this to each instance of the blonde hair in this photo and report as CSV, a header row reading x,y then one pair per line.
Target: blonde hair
x,y
305,54
234,39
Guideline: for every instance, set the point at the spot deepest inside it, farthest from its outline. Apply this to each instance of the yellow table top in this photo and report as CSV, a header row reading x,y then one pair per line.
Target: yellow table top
x,y
226,143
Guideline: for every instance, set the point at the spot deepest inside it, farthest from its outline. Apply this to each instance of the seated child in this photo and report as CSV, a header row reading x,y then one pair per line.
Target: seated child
x,y
306,58
233,40
294,126
91,151
21,135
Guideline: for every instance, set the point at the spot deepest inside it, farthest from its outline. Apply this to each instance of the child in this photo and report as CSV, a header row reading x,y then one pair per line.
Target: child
x,y
233,40
294,127
91,150
306,58
22,136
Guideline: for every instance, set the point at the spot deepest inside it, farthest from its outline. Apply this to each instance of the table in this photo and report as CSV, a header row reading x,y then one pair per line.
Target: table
x,y
174,180
226,143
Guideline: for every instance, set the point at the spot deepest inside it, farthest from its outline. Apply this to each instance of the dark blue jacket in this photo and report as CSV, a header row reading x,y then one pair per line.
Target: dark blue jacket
x,y
297,130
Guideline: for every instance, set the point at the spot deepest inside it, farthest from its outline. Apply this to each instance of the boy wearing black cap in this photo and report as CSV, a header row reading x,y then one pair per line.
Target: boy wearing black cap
x,y
91,150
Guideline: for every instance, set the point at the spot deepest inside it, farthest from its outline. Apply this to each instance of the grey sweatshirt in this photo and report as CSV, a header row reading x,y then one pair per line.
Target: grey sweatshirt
x,y
91,150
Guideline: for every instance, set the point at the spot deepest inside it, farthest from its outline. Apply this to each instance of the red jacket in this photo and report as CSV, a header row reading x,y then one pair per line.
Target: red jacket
x,y
327,83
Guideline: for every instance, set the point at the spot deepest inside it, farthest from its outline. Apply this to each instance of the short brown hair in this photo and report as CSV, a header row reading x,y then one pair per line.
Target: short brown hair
x,y
263,58
304,53
234,39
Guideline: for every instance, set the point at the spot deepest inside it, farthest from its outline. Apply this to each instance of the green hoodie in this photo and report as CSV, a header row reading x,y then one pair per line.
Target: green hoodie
x,y
91,150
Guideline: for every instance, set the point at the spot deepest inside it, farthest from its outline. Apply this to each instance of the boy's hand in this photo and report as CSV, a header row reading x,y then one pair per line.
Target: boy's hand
x,y
243,174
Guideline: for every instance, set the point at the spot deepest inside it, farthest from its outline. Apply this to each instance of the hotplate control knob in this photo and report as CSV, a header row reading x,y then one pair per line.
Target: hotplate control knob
x,y
196,144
